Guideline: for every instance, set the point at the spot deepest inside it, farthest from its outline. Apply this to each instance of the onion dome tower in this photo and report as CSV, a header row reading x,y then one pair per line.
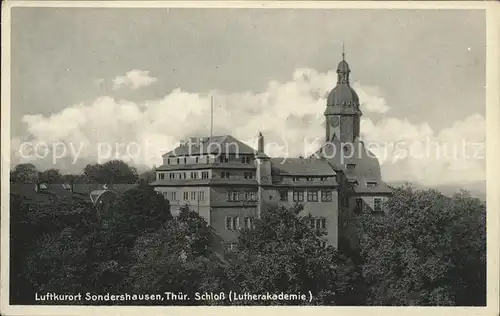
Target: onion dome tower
x,y
342,114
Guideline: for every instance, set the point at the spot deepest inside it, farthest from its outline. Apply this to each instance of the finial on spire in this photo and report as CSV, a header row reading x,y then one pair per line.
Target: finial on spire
x,y
343,51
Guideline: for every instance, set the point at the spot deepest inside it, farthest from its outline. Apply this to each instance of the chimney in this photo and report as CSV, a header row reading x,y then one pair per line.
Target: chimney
x,y
260,146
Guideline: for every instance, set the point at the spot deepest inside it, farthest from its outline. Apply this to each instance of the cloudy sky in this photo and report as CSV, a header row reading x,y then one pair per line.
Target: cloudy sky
x,y
145,76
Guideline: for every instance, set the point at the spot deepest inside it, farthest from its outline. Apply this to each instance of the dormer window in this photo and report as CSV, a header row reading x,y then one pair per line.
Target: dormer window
x,y
371,184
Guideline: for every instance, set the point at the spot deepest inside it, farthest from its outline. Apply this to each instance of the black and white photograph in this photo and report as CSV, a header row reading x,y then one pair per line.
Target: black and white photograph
x,y
249,154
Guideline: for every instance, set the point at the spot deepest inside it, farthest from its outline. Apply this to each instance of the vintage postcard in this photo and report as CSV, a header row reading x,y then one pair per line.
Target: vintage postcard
x,y
252,157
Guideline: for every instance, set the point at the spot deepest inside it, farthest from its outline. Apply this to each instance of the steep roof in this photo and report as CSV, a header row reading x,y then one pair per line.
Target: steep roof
x,y
301,167
366,165
225,144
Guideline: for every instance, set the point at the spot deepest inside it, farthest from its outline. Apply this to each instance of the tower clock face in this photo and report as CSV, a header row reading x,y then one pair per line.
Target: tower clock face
x,y
335,121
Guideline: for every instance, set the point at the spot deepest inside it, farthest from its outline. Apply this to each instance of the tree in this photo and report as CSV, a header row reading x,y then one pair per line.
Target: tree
x,y
178,257
49,246
51,176
149,176
429,250
283,254
24,173
114,171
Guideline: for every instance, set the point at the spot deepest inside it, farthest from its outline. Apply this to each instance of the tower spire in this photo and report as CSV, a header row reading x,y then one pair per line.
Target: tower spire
x,y
343,51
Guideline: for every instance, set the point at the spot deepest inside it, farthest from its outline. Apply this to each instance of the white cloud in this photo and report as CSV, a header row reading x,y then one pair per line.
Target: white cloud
x,y
289,114
134,79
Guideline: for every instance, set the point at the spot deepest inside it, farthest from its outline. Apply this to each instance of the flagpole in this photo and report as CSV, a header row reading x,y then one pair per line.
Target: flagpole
x,y
211,115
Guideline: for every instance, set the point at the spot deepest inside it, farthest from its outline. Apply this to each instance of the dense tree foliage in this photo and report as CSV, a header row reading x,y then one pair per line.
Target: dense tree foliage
x,y
428,249
282,254
24,173
178,257
114,171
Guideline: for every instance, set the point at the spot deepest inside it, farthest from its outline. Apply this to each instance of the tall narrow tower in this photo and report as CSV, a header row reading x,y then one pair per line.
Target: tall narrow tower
x,y
342,114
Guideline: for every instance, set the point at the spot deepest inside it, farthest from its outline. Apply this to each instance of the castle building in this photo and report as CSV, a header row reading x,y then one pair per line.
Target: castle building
x,y
229,183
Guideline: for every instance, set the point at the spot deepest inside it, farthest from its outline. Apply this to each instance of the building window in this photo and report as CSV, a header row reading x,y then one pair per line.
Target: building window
x,y
197,159
186,196
201,195
250,196
312,195
105,223
223,158
298,196
184,175
323,178
178,161
174,196
207,160
233,196
185,160
248,175
168,161
284,195
359,205
345,200
171,175
224,174
193,196
232,223
326,195
204,174
194,175
295,179
377,204
318,223
309,178
231,247
161,176
248,222
350,166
